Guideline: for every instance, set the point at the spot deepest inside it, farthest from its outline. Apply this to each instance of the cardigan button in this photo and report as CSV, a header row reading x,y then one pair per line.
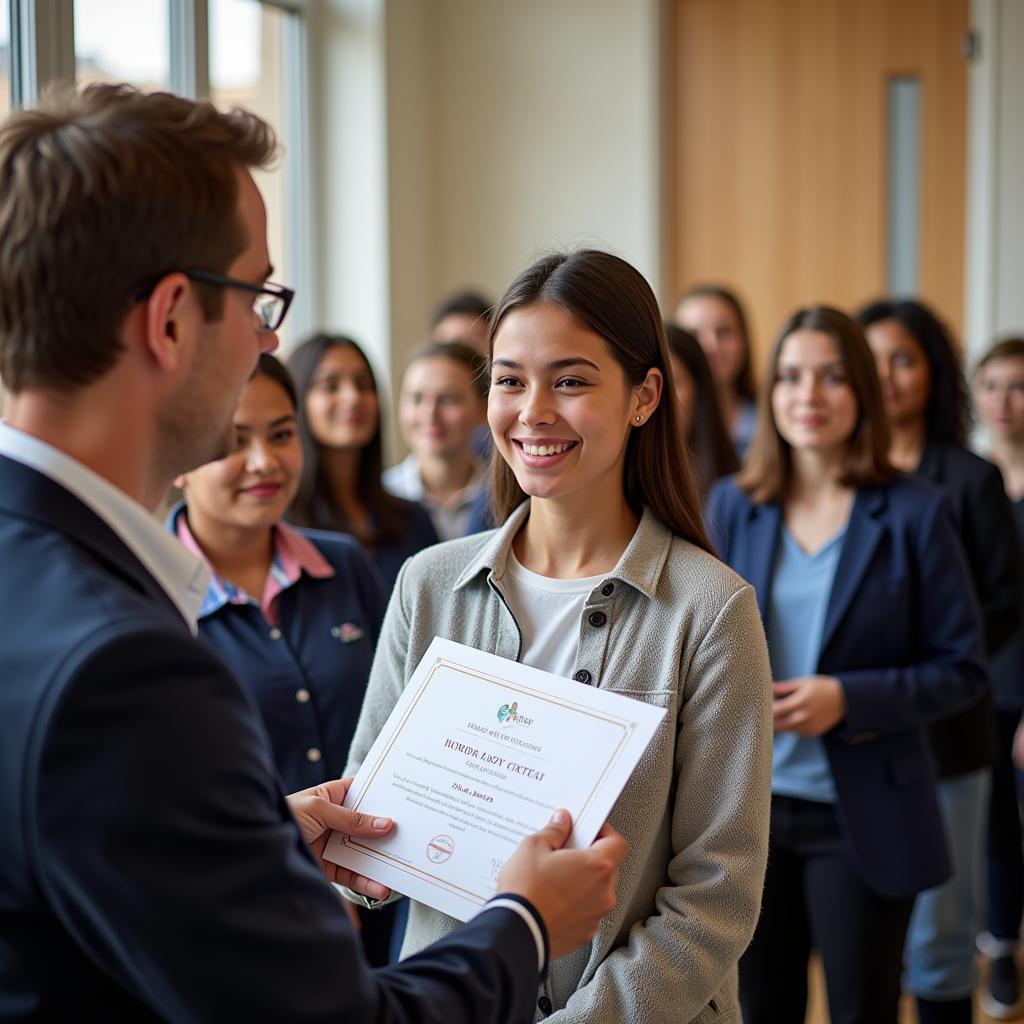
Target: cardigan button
x,y
544,1004
597,619
313,755
275,633
582,676
608,589
302,696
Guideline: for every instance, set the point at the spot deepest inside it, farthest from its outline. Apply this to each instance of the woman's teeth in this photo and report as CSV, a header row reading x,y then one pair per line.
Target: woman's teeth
x,y
546,449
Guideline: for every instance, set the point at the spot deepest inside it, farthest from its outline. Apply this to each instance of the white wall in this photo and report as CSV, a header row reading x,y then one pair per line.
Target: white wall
x,y
515,128
994,303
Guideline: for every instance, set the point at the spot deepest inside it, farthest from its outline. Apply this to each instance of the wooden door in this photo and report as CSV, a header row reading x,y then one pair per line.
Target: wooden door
x,y
778,167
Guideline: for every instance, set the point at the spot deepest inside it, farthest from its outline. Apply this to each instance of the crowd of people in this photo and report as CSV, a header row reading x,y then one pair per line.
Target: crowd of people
x,y
802,562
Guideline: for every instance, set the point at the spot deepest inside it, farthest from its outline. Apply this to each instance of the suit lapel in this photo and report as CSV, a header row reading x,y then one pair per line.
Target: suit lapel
x,y
863,533
26,493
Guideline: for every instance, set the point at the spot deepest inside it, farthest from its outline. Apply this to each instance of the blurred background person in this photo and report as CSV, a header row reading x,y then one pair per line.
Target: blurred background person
x,y
714,314
296,613
339,420
999,400
700,418
463,316
927,404
442,403
873,630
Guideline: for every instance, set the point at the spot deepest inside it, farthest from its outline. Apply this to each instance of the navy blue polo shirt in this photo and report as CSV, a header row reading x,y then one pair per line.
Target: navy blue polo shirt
x,y
305,653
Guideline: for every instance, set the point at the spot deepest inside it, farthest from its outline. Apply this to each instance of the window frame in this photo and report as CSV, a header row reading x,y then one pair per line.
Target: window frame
x,y
42,50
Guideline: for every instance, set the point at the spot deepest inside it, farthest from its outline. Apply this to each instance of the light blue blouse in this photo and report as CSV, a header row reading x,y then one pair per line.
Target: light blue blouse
x,y
801,585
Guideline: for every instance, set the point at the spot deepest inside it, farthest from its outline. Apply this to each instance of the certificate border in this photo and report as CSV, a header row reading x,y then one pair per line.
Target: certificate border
x,y
628,728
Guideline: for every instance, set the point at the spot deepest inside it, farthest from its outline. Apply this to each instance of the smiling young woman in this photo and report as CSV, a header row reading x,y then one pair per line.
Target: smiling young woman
x,y
602,573
296,612
873,632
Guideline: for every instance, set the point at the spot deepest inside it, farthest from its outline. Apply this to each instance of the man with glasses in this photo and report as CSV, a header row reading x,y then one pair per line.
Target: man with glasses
x,y
150,866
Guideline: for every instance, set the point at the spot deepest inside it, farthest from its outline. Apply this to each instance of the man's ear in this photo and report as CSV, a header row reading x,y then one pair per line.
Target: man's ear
x,y
170,316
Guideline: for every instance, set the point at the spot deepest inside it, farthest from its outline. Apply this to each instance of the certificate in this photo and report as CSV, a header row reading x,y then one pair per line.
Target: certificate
x,y
477,754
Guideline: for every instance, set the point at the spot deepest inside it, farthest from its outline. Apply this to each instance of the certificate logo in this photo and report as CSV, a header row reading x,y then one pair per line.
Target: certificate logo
x,y
440,849
508,714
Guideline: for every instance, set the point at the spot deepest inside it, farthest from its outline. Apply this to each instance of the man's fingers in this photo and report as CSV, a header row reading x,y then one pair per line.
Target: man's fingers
x,y
353,823
360,883
556,831
612,843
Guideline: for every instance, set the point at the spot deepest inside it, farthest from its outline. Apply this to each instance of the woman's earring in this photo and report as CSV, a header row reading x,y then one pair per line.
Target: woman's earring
x,y
639,418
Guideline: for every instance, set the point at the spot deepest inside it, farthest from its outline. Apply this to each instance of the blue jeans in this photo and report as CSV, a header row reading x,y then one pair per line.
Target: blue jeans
x,y
939,956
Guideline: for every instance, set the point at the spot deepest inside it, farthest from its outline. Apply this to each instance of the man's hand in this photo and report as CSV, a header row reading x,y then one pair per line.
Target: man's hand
x,y
318,812
808,705
571,889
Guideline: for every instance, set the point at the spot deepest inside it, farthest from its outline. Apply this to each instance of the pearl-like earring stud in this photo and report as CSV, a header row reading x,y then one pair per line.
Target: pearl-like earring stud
x,y
639,419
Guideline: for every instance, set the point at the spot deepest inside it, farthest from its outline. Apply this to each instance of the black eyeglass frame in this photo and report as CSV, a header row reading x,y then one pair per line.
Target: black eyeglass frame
x,y
278,291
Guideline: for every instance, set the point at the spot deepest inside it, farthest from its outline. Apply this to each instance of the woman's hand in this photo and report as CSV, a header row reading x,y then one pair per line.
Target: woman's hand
x,y
318,812
808,705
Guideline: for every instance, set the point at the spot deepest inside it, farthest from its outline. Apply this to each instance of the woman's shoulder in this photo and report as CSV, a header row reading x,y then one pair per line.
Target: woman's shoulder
x,y
702,573
445,561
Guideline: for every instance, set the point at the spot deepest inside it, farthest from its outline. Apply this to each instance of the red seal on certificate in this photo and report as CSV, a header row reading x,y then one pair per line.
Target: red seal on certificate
x,y
440,849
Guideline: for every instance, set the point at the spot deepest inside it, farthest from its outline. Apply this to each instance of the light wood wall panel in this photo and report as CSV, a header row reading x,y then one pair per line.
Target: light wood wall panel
x,y
777,175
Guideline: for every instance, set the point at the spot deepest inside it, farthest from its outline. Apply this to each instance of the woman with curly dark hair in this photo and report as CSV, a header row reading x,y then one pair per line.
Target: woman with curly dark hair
x,y
926,400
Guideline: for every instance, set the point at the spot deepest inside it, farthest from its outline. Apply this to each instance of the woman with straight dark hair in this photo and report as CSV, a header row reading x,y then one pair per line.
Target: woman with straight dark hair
x,y
926,401
602,573
711,449
873,631
715,315
999,400
340,430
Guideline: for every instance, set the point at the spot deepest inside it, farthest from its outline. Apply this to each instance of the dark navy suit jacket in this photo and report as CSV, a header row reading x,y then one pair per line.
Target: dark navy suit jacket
x,y
149,866
965,741
903,636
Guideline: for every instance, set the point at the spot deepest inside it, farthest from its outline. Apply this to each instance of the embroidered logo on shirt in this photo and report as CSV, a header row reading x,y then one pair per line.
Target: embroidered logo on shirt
x,y
347,632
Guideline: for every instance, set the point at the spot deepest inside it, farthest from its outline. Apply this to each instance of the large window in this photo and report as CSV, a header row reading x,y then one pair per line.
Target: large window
x,y
5,58
248,69
237,52
125,41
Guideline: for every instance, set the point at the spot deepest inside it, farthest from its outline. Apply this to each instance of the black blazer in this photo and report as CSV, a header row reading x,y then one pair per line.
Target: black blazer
x,y
903,636
149,866
965,741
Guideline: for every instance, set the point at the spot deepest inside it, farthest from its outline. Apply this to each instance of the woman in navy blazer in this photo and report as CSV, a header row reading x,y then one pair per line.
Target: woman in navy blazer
x,y
926,402
873,631
296,613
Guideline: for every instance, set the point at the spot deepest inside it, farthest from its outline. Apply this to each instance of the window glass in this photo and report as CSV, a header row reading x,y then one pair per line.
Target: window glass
x,y
247,68
5,58
123,41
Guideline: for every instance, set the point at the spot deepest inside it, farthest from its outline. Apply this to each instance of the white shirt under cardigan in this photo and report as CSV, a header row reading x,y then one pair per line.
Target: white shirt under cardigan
x,y
548,612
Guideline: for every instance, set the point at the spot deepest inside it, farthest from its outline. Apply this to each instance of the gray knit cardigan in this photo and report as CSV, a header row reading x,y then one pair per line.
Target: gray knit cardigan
x,y
679,630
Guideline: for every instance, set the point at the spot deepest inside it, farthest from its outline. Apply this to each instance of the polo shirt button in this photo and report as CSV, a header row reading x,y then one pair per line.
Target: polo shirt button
x,y
275,633
313,755
582,676
302,696
335,631
544,1004
608,589
597,619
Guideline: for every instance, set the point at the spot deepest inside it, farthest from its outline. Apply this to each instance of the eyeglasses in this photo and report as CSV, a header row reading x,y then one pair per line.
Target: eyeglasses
x,y
270,302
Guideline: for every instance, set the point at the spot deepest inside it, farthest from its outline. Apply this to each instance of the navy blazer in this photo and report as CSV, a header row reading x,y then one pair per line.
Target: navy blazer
x,y
965,741
149,866
903,636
